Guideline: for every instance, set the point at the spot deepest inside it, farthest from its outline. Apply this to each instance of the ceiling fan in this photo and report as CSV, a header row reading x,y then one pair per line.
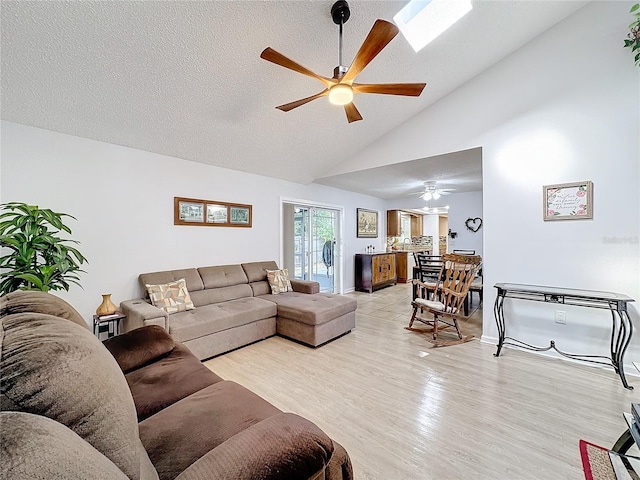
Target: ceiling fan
x,y
430,191
341,87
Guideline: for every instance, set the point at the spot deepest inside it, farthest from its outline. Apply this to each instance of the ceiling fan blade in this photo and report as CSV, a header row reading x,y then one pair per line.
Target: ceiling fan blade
x,y
353,115
380,35
406,89
290,106
270,55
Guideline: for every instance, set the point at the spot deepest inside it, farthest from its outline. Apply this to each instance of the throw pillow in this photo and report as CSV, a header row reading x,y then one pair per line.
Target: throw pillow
x,y
171,297
279,281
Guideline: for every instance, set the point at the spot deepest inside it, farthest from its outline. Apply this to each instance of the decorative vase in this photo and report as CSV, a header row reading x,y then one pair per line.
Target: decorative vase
x,y
107,307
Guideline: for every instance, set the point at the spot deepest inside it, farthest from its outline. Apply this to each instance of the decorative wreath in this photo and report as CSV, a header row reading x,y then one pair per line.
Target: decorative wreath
x,y
473,224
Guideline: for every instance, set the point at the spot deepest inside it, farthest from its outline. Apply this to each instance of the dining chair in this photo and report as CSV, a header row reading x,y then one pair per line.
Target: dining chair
x,y
429,266
443,303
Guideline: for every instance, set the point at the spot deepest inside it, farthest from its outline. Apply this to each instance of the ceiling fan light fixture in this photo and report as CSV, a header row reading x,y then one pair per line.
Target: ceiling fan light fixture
x,y
435,195
341,94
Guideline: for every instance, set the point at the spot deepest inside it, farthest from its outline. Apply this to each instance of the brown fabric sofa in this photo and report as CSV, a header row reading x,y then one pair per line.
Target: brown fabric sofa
x,y
138,406
235,307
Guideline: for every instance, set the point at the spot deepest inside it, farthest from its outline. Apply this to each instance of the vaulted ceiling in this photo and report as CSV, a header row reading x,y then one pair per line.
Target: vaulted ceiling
x,y
185,78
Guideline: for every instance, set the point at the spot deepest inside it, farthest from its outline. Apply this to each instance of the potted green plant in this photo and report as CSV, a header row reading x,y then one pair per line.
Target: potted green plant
x,y
633,38
34,257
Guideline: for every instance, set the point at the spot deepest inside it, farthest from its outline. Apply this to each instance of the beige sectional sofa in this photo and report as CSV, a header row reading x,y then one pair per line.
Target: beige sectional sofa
x,y
235,307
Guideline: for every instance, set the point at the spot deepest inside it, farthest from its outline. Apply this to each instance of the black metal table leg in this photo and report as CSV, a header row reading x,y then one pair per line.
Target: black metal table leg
x,y
621,333
498,313
624,443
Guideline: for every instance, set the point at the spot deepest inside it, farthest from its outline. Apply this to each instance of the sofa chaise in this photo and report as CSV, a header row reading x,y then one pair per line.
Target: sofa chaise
x,y
234,306
139,406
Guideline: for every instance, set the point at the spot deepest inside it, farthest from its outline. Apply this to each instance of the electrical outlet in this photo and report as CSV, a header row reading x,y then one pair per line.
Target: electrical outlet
x,y
561,317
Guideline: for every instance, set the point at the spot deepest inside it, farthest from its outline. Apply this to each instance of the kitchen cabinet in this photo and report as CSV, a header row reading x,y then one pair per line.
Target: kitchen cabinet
x,y
394,226
394,223
374,271
402,266
416,225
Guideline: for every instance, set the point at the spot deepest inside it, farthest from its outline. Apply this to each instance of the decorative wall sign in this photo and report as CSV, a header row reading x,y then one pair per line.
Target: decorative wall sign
x,y
568,201
473,224
367,223
192,211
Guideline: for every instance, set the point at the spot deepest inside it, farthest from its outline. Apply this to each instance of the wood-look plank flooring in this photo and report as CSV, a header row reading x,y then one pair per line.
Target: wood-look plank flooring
x,y
406,410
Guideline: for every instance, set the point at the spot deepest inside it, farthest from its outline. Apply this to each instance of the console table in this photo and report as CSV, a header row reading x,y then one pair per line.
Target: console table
x,y
621,327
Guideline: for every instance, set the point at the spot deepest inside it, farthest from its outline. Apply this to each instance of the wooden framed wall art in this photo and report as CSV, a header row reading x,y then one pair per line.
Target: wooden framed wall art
x,y
367,221
568,201
210,213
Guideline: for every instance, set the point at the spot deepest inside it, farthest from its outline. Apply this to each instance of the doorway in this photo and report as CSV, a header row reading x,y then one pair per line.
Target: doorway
x,y
310,243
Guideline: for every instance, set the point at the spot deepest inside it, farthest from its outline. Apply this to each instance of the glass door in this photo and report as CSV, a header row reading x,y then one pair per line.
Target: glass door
x,y
314,245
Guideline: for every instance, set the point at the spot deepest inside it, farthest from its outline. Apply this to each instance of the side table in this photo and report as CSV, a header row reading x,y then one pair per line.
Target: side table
x,y
109,324
626,467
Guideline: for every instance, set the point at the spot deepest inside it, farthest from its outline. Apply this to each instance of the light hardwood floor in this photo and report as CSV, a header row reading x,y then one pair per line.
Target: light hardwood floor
x,y
406,410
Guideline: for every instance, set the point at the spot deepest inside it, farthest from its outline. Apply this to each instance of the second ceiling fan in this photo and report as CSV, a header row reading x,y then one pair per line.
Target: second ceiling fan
x,y
341,87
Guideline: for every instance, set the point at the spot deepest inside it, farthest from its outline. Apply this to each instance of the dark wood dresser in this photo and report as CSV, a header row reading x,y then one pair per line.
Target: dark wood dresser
x,y
375,270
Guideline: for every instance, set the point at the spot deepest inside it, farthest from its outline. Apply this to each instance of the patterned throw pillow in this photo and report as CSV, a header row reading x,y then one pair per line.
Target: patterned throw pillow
x,y
171,297
279,281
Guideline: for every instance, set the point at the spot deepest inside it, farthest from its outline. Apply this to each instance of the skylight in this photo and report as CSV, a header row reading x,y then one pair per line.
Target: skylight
x,y
420,21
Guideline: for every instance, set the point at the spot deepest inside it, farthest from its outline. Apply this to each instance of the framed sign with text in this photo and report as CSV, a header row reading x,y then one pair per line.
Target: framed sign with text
x,y
568,201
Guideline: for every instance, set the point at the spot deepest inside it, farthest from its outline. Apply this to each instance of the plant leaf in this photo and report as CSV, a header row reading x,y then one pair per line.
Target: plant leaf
x,y
35,257
31,278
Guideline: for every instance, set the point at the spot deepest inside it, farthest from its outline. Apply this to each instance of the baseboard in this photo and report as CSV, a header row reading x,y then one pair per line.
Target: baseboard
x,y
487,339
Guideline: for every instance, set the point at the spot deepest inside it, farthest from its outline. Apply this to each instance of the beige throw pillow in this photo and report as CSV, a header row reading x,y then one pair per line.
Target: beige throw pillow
x,y
279,281
171,297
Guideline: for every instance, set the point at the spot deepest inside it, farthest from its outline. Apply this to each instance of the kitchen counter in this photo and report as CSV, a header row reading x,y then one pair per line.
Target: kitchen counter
x,y
412,248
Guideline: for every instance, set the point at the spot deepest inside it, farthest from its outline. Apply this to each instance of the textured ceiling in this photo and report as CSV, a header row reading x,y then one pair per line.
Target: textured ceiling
x,y
457,172
185,78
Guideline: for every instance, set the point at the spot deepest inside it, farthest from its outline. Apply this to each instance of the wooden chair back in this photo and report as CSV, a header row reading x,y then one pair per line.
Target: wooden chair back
x,y
456,274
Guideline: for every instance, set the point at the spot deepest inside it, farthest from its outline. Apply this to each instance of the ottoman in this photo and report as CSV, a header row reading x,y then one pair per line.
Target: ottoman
x,y
313,319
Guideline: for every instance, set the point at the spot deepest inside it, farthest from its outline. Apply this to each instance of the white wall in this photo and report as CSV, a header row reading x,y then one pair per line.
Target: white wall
x,y
123,200
563,108
463,206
